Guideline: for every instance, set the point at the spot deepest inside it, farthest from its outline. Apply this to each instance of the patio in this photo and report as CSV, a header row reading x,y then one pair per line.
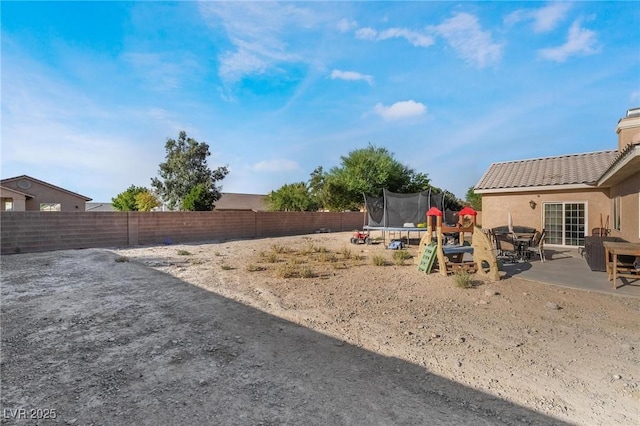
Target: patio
x,y
566,268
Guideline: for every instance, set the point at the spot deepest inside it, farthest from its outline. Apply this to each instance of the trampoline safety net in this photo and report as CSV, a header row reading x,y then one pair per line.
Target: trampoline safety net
x,y
394,210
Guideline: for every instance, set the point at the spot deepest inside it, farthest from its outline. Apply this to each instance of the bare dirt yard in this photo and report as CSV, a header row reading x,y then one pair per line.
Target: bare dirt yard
x,y
304,330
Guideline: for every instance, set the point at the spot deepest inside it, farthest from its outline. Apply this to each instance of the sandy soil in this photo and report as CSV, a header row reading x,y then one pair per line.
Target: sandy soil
x,y
321,335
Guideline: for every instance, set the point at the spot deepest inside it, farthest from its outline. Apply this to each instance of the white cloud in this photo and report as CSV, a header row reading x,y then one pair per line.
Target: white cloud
x,y
544,19
399,110
351,75
257,31
464,34
277,165
413,37
366,33
345,25
580,41
162,71
547,18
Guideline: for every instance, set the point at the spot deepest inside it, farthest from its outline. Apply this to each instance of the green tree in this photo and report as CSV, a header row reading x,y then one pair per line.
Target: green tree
x,y
369,171
292,197
474,200
316,186
198,199
126,201
185,168
146,201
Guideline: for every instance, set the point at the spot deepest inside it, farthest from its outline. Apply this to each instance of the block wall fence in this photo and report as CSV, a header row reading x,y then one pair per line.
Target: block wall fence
x,y
24,232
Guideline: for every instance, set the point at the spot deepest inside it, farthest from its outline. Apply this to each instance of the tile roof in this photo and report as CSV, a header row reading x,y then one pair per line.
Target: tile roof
x,y
573,169
235,201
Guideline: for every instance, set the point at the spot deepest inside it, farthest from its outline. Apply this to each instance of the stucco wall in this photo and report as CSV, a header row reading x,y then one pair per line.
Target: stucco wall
x,y
629,191
43,231
18,200
496,207
45,194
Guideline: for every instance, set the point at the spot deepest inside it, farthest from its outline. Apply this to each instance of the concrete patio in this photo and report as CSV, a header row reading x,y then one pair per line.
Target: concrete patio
x,y
566,268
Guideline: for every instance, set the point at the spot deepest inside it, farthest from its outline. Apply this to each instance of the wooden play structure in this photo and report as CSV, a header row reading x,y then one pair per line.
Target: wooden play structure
x,y
450,258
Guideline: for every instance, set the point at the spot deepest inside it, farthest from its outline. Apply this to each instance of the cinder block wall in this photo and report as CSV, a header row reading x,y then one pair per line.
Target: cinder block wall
x,y
23,232
43,231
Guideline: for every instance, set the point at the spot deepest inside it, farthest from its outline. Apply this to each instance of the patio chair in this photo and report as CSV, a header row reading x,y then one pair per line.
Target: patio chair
x,y
506,246
537,244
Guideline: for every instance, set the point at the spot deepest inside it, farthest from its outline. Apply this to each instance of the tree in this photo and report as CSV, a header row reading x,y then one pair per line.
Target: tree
x,y
126,201
185,168
369,171
198,199
146,201
292,197
316,186
474,200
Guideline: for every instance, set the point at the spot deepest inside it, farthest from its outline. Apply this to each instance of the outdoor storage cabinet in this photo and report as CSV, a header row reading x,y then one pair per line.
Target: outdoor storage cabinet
x,y
594,252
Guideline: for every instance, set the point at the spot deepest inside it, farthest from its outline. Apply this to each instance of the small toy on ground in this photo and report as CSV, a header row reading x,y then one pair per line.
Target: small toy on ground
x,y
396,245
360,237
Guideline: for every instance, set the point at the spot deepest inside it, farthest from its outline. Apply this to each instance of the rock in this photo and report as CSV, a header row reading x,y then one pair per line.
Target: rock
x,y
489,292
461,339
617,377
552,306
458,363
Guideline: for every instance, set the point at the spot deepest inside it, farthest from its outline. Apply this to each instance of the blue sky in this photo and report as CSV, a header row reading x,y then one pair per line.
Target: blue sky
x,y
92,90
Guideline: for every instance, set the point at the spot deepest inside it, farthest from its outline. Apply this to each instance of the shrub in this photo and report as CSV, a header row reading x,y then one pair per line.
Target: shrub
x,y
226,267
277,248
122,259
463,279
328,257
252,267
184,253
308,249
287,270
306,272
272,258
346,252
399,256
379,260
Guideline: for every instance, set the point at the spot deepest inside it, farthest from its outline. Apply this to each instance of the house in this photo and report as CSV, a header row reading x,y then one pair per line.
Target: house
x,y
571,195
24,193
100,207
234,201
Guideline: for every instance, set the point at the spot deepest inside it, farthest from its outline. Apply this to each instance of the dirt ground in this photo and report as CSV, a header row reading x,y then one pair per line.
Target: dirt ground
x,y
303,330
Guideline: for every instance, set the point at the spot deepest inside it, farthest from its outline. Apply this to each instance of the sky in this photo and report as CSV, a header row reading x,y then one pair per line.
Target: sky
x,y
91,91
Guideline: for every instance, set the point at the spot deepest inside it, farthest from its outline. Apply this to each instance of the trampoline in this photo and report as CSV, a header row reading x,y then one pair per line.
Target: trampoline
x,y
399,213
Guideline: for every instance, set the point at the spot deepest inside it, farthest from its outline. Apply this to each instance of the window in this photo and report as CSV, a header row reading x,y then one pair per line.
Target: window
x,y
616,213
49,207
564,223
8,206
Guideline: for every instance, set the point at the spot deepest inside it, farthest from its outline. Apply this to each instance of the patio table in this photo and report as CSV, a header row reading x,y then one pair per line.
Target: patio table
x,y
616,269
522,243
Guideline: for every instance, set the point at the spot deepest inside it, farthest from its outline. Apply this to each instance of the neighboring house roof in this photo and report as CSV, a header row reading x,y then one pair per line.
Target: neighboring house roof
x,y
99,207
234,201
561,172
4,188
17,178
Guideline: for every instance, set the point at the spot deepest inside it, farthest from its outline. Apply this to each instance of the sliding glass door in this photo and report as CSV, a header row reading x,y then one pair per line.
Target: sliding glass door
x,y
564,223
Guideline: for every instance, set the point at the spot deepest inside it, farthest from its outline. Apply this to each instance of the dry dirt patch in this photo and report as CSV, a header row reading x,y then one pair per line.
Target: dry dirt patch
x,y
132,340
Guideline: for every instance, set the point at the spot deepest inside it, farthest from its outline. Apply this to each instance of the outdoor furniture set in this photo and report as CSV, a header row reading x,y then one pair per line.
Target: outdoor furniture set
x,y
517,244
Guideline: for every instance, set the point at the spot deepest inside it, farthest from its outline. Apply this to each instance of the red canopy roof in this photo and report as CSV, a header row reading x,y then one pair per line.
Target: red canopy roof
x,y
434,211
468,211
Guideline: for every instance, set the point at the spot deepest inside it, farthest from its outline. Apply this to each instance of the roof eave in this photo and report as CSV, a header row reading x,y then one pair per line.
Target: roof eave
x,y
572,186
622,169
